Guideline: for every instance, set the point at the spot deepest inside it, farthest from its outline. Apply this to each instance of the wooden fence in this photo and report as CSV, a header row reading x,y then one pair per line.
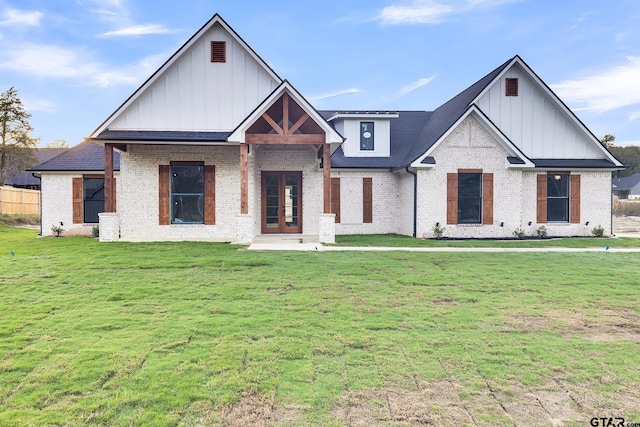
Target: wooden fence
x,y
18,201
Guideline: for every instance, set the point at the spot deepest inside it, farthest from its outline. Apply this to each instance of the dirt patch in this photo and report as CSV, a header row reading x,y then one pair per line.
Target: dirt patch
x,y
610,324
626,224
434,404
259,411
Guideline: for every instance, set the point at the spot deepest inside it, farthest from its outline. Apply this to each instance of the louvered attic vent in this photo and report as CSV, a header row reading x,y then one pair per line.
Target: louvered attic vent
x,y
218,51
512,87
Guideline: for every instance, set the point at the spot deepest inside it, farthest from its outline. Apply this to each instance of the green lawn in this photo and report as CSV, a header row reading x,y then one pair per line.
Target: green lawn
x,y
188,334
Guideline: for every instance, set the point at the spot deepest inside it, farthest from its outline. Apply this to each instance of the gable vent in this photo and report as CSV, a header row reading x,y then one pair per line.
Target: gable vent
x,y
512,87
218,51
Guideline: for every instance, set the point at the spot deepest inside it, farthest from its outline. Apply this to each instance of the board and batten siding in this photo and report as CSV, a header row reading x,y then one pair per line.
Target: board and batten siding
x,y
195,94
534,121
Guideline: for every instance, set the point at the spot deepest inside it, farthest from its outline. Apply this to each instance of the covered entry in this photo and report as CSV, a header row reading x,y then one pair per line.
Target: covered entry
x,y
287,124
281,202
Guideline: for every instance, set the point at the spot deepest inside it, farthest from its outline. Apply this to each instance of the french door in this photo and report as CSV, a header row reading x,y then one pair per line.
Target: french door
x,y
281,202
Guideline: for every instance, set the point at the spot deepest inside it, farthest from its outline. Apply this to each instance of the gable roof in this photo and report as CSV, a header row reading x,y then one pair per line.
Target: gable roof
x,y
612,161
84,157
216,19
443,119
332,136
24,178
422,129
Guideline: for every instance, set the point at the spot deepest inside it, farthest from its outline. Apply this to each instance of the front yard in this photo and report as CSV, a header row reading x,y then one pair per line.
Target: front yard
x,y
195,334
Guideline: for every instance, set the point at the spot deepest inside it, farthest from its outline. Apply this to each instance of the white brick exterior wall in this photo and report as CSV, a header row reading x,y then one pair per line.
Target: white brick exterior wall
x,y
595,204
57,203
386,208
138,197
470,146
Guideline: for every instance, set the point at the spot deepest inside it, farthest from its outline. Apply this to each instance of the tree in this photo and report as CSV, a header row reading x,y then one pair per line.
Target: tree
x,y
57,143
16,146
608,140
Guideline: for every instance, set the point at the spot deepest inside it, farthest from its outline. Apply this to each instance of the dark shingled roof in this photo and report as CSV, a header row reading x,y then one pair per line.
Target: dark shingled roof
x,y
416,131
404,130
85,156
161,136
24,178
573,163
627,182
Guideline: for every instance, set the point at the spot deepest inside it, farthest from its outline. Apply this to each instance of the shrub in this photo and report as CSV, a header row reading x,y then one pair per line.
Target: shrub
x,y
438,231
95,231
598,231
518,233
57,230
541,232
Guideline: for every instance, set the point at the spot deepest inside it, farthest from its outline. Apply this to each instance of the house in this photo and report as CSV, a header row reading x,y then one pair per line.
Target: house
x,y
72,188
216,146
627,187
24,178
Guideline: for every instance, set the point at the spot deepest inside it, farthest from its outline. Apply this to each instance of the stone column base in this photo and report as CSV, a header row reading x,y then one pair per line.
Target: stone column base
x,y
109,223
327,228
244,229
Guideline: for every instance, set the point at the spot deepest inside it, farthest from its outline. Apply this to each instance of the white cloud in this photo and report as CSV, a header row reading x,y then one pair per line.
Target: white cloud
x,y
634,116
138,30
334,94
433,11
613,88
420,12
57,62
415,85
20,17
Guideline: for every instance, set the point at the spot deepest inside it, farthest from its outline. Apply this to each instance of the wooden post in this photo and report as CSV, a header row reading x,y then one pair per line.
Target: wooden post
x,y
326,175
244,179
109,202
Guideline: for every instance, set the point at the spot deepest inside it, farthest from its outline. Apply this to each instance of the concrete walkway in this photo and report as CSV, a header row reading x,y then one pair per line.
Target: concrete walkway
x,y
292,246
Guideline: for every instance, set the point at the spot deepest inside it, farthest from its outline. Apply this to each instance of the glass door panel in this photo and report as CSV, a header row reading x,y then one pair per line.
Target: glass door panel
x,y
281,198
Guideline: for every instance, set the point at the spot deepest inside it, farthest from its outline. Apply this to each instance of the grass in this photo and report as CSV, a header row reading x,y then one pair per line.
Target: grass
x,y
396,240
170,334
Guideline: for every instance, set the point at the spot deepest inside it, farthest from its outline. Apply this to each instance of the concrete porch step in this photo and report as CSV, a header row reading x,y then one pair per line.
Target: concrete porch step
x,y
285,238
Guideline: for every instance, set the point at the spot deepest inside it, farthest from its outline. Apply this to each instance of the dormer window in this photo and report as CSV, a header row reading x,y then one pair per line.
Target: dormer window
x,y
366,136
511,87
218,51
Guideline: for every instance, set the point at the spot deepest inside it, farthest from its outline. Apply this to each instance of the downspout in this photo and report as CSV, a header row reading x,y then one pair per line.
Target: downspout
x,y
40,178
415,201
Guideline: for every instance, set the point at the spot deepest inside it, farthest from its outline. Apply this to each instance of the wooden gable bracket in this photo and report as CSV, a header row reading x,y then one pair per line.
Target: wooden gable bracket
x,y
286,134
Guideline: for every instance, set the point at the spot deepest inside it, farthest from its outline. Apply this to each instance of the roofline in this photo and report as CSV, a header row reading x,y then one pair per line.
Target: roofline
x,y
552,94
283,87
215,18
503,139
159,142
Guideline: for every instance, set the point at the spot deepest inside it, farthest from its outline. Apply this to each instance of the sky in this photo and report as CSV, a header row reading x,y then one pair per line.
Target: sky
x,y
74,62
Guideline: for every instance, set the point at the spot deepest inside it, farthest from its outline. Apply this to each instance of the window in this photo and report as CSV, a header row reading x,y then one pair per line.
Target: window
x,y
558,197
93,199
88,198
218,51
511,87
366,136
469,198
187,194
